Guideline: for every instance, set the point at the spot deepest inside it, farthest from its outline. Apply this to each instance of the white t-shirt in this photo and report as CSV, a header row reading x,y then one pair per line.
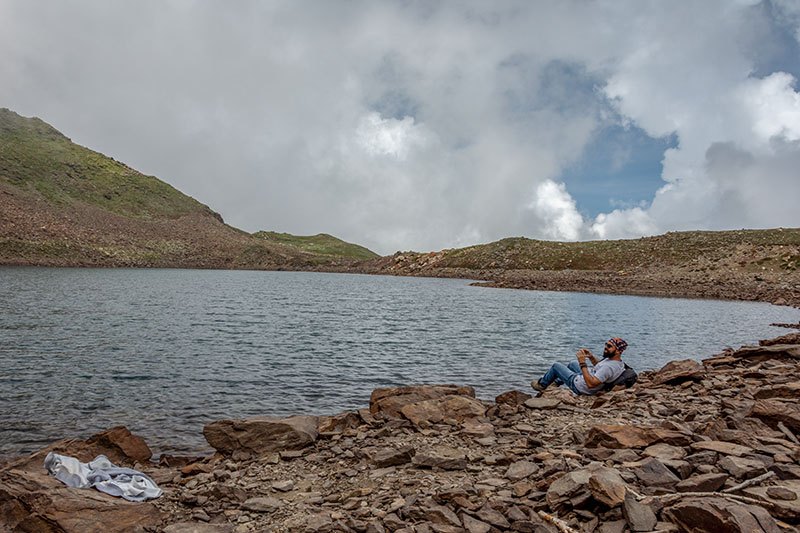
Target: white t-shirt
x,y
605,370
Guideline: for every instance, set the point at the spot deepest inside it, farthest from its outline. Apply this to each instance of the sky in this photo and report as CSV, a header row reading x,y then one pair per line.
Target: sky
x,y
426,125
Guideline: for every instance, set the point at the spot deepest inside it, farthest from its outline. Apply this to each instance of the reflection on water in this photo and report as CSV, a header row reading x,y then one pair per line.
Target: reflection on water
x,y
166,351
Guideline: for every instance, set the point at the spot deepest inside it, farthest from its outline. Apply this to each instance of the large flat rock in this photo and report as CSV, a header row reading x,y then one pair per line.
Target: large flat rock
x,y
391,400
261,435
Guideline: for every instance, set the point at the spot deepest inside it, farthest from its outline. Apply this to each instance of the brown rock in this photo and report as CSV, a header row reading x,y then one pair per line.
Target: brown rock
x,y
624,436
442,457
121,445
781,493
664,452
782,390
783,499
572,489
676,372
638,516
725,448
474,526
393,456
742,467
773,411
512,397
262,504
198,527
715,515
653,473
261,435
520,470
34,501
542,403
702,483
447,409
339,423
489,514
608,487
391,400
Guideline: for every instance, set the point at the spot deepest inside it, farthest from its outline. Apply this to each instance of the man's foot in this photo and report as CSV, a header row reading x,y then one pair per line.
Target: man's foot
x,y
537,385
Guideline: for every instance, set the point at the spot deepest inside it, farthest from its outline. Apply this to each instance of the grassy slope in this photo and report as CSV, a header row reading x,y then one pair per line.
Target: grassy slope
x,y
63,204
322,244
36,157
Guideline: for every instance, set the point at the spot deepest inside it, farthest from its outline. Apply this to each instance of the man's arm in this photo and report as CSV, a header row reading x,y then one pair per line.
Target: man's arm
x,y
590,380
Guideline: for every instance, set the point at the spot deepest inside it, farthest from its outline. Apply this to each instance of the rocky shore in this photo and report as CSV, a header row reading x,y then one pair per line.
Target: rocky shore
x,y
700,447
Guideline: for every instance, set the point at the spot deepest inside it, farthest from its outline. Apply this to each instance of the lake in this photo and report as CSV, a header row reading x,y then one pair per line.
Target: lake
x,y
163,352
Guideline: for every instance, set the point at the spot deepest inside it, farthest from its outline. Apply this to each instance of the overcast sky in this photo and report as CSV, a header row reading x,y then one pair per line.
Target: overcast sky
x,y
405,125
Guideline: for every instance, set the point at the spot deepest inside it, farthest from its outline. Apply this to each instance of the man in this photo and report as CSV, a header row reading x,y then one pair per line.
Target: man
x,y
579,378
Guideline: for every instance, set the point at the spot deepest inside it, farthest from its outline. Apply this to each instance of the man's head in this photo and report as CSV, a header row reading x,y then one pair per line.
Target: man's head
x,y
614,347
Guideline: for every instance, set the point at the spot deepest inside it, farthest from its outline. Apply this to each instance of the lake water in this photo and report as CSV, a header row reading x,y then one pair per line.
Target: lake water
x,y
163,352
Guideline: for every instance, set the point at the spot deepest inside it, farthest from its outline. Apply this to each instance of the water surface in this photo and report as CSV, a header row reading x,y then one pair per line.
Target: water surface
x,y
166,351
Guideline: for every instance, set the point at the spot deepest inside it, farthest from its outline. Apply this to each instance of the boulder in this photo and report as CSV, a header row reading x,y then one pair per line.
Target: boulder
x,y
725,448
262,504
638,515
653,473
393,456
773,411
338,423
624,436
676,372
513,397
783,390
261,435
542,403
520,470
742,467
710,482
664,452
608,487
121,445
574,486
442,457
391,400
784,499
715,515
448,409
32,500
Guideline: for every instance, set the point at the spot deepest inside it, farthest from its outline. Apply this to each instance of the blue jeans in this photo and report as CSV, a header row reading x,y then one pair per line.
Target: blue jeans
x,y
562,374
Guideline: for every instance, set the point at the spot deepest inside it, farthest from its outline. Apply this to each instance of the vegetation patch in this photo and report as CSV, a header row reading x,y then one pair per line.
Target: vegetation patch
x,y
321,244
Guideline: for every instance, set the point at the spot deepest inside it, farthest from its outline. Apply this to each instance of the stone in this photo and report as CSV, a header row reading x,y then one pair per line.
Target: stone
x,y
630,436
442,457
338,423
284,485
490,515
447,409
473,525
702,483
261,435
677,372
781,493
542,403
122,445
479,431
664,452
562,493
393,456
262,504
638,515
715,515
608,487
512,397
615,526
782,390
773,411
520,470
742,467
391,400
32,500
725,448
653,473
197,527
783,499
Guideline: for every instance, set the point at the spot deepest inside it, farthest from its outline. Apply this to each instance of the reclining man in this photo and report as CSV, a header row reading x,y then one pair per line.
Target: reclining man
x,y
579,378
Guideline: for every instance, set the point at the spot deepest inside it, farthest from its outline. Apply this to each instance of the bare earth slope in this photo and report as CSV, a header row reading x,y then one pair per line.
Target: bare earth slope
x,y
65,205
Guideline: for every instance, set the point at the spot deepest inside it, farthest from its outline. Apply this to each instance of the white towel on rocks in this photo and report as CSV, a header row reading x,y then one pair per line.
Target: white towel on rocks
x,y
102,475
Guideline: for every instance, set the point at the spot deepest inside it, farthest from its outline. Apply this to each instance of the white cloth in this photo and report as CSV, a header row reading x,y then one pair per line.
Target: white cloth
x,y
103,475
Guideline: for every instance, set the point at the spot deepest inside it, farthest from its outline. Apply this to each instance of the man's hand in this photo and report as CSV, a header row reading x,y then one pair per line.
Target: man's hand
x,y
581,355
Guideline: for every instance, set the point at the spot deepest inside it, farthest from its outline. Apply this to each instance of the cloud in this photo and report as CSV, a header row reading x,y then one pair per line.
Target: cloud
x,y
403,125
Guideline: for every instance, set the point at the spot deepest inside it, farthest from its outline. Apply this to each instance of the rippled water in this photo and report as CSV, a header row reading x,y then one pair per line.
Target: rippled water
x,y
166,351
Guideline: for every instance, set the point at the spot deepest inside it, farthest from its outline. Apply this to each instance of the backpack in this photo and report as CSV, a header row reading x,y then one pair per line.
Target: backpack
x,y
626,379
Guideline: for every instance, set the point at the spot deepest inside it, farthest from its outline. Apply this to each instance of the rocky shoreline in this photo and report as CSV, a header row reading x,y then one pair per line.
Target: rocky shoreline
x,y
703,447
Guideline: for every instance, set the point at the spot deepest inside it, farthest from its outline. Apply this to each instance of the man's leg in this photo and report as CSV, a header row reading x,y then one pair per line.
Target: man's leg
x,y
575,366
558,373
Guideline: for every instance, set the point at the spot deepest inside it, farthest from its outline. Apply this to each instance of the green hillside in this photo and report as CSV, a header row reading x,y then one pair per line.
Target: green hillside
x,y
35,156
321,244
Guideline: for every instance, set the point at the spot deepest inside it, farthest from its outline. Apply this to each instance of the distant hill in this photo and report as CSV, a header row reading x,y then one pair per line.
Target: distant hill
x,y
321,244
64,204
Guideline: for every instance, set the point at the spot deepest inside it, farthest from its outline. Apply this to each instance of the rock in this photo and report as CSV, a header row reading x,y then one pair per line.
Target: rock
x,y
392,456
742,467
725,448
676,372
781,493
261,435
442,457
624,436
391,400
664,452
122,445
338,423
608,487
773,411
562,493
261,504
520,470
513,397
783,497
782,390
32,500
638,516
490,515
478,431
474,526
447,409
653,473
542,403
198,527
283,486
715,515
702,483
615,526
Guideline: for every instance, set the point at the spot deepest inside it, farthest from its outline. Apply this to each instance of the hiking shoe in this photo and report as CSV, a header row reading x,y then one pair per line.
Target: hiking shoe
x,y
537,385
